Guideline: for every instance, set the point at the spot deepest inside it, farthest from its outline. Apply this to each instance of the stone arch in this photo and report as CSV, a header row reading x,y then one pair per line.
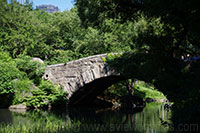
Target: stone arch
x,y
83,78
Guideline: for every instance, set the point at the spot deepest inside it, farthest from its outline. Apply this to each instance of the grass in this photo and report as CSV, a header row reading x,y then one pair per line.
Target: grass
x,y
141,89
146,91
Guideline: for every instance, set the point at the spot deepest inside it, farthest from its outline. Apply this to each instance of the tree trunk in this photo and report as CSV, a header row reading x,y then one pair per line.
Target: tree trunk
x,y
130,86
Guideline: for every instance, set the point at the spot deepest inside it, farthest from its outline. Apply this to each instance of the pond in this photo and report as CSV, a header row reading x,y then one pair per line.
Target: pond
x,y
152,119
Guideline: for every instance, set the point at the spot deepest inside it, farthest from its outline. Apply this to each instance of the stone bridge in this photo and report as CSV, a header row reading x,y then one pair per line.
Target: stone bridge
x,y
83,79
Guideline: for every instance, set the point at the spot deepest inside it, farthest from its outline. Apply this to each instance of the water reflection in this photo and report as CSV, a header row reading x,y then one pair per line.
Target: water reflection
x,y
150,119
5,116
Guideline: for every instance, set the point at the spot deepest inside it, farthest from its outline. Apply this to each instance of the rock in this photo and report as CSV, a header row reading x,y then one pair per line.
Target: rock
x,y
37,60
149,100
18,110
164,101
18,106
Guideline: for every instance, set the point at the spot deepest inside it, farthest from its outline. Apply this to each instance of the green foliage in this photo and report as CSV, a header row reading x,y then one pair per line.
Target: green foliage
x,y
112,56
145,91
22,89
18,28
94,12
37,33
8,73
141,89
118,89
56,95
118,37
92,43
62,56
19,80
45,94
4,56
34,70
68,30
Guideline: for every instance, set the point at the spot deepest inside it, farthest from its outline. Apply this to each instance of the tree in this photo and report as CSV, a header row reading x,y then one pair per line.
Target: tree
x,y
163,32
21,31
94,12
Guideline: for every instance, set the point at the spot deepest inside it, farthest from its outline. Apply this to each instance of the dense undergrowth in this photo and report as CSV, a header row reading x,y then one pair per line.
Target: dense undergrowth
x,y
21,82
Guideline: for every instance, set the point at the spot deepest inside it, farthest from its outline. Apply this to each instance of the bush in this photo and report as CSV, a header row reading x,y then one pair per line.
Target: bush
x,y
8,73
118,89
19,79
55,94
46,93
4,56
22,89
34,70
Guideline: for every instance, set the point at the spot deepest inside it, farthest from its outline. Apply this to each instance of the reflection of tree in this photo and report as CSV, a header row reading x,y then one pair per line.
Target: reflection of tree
x,y
163,112
164,116
5,116
146,121
149,119
130,120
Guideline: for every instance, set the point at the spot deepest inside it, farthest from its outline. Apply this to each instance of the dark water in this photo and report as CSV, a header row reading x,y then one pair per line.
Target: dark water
x,y
150,120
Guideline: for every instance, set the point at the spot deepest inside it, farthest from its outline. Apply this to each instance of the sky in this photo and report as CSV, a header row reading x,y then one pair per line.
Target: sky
x,y
62,4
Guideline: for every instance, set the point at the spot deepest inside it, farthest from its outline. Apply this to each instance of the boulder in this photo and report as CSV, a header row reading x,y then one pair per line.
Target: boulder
x,y
37,60
18,106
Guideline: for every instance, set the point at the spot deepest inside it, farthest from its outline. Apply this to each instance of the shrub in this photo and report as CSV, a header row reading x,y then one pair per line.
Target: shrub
x,y
4,56
46,93
22,89
8,73
34,70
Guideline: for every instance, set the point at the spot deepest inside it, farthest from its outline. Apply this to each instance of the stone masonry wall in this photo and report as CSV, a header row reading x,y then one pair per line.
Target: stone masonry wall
x,y
75,74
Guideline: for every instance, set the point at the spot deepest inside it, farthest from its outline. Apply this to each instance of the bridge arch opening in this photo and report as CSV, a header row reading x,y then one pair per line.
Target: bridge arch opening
x,y
87,94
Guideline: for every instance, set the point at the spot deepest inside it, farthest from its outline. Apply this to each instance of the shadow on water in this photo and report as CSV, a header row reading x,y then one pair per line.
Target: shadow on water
x,y
150,119
5,116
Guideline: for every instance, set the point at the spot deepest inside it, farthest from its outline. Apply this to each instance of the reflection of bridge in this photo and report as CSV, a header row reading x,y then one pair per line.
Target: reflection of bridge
x,y
83,79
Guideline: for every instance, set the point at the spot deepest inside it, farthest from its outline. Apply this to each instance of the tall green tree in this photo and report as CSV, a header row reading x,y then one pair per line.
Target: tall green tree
x,y
162,33
94,12
21,30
